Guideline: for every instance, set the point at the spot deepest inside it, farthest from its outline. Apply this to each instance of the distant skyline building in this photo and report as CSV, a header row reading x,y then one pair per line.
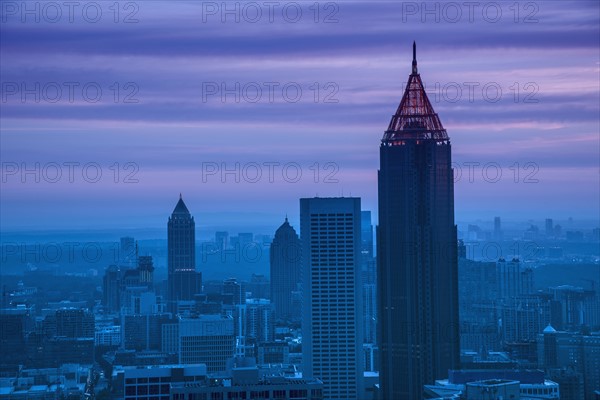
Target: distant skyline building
x,y
222,240
549,227
146,270
183,280
127,250
513,280
366,233
332,318
417,249
111,287
285,267
497,229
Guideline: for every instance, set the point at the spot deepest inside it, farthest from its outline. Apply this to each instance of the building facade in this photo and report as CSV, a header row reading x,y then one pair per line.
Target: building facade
x,y
332,295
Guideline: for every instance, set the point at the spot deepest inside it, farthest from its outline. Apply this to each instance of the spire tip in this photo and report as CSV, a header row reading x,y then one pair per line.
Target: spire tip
x,y
414,61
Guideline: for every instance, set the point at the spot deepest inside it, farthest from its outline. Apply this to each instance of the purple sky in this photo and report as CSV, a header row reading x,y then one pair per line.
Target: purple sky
x,y
176,51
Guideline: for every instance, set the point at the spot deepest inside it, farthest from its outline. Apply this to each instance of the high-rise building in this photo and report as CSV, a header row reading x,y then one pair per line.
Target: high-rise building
x,y
111,296
259,320
183,280
285,264
497,229
332,295
512,279
549,227
416,249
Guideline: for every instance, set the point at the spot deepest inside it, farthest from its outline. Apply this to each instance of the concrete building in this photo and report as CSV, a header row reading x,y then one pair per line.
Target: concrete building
x,y
332,295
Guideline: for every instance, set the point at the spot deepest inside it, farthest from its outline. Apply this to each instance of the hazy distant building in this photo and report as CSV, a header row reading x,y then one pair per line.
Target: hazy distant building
x,y
146,271
222,240
416,249
259,287
183,280
111,289
285,265
127,251
512,279
522,318
549,228
573,307
332,295
497,229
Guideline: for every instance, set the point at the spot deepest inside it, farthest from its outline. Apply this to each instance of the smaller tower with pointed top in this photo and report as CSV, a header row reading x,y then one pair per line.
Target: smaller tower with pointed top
x,y
183,279
285,264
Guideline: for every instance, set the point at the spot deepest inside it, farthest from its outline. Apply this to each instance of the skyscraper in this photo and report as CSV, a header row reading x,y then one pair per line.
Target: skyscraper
x,y
285,265
332,295
417,249
497,229
183,280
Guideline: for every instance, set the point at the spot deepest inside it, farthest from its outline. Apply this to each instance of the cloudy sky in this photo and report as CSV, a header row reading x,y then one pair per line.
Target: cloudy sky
x,y
110,110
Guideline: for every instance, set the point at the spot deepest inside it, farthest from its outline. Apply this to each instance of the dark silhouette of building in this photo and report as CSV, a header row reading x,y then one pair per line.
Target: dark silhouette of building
x,y
183,280
111,295
417,249
286,264
75,323
497,229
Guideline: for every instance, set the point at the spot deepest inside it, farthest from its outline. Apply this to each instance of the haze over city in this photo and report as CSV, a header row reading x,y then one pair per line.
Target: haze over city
x,y
170,121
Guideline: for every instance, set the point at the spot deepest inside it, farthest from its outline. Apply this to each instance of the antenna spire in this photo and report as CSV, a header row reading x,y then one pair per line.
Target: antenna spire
x,y
414,61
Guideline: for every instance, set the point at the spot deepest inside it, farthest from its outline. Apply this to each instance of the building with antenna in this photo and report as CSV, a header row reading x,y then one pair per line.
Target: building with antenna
x,y
417,249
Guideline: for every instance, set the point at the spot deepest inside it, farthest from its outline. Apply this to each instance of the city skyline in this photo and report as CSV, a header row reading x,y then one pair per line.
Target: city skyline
x,y
557,134
249,200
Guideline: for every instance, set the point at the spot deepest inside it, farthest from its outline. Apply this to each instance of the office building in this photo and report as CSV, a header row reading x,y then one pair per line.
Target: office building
x,y
285,264
332,295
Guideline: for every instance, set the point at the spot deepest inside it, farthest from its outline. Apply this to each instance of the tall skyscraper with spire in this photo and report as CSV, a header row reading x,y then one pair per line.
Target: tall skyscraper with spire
x,y
417,249
183,280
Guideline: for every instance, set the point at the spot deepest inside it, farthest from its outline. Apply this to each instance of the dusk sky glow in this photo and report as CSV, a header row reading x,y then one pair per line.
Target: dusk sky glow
x,y
175,59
